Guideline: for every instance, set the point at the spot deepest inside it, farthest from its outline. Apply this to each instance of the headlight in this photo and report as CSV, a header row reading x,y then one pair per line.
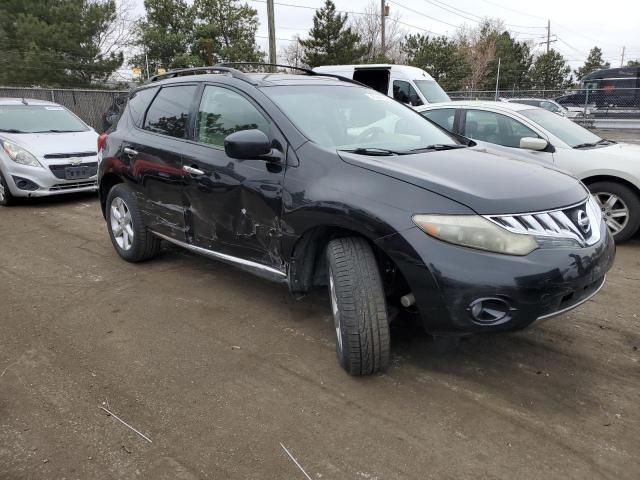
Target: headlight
x,y
19,154
475,232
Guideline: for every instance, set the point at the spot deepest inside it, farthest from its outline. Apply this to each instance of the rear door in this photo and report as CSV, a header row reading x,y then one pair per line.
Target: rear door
x,y
233,206
154,152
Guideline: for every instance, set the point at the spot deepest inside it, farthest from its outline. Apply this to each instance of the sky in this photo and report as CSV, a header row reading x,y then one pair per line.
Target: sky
x,y
576,26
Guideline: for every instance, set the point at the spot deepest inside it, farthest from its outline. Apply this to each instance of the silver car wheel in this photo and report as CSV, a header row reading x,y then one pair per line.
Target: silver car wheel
x,y
1,191
335,311
614,211
121,223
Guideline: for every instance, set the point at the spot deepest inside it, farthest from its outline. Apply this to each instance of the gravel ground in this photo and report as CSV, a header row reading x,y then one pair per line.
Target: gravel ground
x,y
218,368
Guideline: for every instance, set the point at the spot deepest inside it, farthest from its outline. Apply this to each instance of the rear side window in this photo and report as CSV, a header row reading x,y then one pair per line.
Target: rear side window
x,y
223,112
405,93
169,111
138,104
443,117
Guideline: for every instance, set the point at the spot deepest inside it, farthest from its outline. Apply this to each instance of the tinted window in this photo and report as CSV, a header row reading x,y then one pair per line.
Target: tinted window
x,y
39,118
405,93
138,103
223,112
443,117
495,128
169,111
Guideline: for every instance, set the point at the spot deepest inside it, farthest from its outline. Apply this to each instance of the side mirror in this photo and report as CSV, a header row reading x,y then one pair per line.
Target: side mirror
x,y
247,144
530,143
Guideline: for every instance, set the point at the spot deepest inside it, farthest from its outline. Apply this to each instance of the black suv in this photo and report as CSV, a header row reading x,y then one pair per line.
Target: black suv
x,y
312,180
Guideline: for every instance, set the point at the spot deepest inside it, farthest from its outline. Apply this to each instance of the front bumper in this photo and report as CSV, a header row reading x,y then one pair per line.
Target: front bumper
x,y
446,280
27,181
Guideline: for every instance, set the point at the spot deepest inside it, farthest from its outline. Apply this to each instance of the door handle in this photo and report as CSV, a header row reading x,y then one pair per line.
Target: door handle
x,y
130,151
192,170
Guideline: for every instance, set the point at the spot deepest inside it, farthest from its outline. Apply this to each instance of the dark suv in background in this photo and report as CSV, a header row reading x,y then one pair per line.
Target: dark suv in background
x,y
313,180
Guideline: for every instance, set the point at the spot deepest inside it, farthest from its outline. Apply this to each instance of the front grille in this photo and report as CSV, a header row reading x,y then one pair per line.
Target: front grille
x,y
51,156
74,185
59,170
580,223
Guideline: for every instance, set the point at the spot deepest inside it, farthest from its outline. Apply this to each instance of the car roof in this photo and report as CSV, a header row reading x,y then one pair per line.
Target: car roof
x,y
257,79
483,104
21,101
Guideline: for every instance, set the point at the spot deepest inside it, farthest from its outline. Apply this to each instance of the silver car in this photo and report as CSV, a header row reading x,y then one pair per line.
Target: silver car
x,y
44,150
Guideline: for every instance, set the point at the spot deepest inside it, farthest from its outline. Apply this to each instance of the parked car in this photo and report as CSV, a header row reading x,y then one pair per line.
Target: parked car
x,y
547,104
301,180
409,85
617,88
45,150
610,170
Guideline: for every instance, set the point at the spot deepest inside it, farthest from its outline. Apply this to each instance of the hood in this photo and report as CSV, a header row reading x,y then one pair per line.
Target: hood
x,y
40,144
628,152
485,182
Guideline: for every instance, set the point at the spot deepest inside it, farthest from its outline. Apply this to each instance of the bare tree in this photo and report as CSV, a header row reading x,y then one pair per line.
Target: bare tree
x,y
120,32
478,46
368,26
293,53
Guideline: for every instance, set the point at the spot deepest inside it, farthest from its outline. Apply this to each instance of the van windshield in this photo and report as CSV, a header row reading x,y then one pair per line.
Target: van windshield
x,y
432,91
349,117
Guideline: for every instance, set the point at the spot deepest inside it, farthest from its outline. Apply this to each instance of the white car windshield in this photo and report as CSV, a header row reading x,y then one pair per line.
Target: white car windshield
x,y
38,119
569,132
350,117
432,91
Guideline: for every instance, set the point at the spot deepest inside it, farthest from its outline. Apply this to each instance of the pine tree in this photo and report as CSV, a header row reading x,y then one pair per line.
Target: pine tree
x,y
331,41
594,62
550,71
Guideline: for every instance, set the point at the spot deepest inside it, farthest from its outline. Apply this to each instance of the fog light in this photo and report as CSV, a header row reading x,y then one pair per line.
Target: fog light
x,y
24,184
489,311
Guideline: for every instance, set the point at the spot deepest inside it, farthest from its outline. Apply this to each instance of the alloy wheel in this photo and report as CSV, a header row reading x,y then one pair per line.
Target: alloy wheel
x,y
614,211
121,223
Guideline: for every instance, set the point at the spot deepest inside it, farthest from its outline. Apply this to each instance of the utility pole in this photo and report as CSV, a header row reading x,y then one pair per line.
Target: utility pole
x,y
497,80
382,27
272,34
548,34
622,59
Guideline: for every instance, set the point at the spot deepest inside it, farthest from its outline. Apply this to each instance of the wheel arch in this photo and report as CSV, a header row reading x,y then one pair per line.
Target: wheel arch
x,y
611,178
107,182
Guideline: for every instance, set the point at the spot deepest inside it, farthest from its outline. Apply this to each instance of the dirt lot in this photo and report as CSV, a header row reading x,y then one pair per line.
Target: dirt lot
x,y
217,368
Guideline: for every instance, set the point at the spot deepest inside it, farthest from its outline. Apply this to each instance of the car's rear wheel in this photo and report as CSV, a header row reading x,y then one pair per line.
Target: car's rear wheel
x,y
620,208
358,306
129,236
6,199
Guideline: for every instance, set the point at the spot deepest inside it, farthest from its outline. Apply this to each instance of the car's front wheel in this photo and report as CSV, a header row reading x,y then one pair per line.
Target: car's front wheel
x,y
620,208
6,199
358,306
129,236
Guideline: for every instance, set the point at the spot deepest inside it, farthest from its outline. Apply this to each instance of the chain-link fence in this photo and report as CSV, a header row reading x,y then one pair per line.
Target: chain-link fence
x,y
89,105
612,106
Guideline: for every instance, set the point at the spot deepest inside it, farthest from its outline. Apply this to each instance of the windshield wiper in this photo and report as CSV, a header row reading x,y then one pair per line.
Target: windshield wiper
x,y
437,147
602,141
53,130
380,152
11,130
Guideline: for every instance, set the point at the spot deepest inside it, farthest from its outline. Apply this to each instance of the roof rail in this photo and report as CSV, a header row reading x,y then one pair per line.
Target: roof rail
x,y
301,69
201,70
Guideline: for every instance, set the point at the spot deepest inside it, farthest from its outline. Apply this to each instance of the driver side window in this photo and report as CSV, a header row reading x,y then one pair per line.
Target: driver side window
x,y
405,93
495,128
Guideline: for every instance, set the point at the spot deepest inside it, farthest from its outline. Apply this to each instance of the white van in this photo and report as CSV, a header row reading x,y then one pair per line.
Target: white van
x,y
406,84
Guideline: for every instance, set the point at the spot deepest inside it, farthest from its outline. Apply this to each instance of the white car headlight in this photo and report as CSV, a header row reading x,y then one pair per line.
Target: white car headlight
x,y
19,154
474,231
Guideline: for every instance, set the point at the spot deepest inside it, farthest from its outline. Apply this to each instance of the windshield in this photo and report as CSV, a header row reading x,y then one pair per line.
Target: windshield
x,y
432,91
569,132
38,118
348,118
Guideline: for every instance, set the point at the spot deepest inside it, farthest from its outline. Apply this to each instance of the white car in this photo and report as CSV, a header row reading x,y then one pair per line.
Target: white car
x,y
44,150
550,105
611,170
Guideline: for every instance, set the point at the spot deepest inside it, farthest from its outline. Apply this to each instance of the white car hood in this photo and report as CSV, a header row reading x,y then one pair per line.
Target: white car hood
x,y
40,144
618,151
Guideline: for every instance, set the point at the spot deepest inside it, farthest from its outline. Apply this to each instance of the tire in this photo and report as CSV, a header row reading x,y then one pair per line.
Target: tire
x,y
131,239
6,199
358,306
622,228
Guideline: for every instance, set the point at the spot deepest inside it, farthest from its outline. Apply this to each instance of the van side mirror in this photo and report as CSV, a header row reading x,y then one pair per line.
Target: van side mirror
x,y
247,144
530,143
